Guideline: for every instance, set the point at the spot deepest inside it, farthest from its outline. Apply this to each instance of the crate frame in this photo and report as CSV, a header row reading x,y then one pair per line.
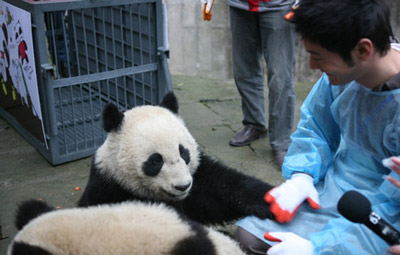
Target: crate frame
x,y
48,84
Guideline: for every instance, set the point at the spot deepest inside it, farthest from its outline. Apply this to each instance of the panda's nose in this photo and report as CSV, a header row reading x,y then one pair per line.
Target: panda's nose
x,y
182,187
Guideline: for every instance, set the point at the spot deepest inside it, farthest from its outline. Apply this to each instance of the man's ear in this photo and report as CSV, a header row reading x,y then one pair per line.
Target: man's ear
x,y
364,49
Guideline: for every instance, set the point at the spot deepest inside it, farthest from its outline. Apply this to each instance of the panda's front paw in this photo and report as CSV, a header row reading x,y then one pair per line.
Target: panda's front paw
x,y
261,211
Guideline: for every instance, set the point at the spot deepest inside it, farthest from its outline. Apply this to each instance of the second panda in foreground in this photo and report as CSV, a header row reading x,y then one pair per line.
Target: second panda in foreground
x,y
149,155
118,229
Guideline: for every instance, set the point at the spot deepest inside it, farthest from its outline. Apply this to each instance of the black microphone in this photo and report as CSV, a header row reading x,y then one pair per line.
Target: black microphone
x,y
356,208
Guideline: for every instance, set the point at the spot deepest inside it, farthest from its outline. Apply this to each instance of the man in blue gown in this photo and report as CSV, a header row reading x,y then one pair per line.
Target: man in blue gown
x,y
349,122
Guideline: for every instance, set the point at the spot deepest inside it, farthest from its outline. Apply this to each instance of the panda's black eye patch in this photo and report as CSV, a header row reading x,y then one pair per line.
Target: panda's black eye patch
x,y
185,155
153,164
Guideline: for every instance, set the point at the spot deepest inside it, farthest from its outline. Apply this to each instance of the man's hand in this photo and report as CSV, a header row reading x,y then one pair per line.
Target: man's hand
x,y
394,164
290,244
286,199
395,249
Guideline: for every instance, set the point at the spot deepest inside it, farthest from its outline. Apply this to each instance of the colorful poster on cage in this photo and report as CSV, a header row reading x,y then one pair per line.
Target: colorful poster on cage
x,y
19,93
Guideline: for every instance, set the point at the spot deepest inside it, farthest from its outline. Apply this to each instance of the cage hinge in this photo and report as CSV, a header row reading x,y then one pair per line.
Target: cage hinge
x,y
46,68
163,52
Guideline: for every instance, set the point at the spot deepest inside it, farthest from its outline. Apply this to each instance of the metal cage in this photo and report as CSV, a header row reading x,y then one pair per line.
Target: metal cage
x,y
87,54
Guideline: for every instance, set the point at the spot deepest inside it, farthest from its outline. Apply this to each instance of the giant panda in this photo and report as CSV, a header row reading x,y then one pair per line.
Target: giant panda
x,y
149,155
119,229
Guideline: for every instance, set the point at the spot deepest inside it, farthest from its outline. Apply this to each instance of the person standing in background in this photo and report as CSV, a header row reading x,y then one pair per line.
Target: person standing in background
x,y
259,29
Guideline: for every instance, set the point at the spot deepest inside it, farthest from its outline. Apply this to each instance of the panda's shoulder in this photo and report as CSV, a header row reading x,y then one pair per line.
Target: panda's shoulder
x,y
209,165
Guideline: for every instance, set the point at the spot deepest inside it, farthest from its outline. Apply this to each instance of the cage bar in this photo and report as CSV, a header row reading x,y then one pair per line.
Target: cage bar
x,y
89,54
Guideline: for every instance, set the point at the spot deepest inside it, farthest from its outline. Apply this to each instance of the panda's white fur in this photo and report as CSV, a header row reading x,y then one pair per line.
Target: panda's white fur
x,y
123,153
127,228
149,155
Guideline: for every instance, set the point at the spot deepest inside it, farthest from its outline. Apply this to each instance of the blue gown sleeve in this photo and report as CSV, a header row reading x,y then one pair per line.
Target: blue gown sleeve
x,y
317,136
391,138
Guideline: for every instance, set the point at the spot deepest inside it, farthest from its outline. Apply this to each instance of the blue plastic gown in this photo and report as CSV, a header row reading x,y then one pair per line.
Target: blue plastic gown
x,y
342,137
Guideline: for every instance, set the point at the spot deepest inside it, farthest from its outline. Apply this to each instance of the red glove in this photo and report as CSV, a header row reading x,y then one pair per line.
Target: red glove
x,y
286,199
290,244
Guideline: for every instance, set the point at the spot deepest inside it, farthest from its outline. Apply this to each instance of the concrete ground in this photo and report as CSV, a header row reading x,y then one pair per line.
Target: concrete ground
x,y
212,112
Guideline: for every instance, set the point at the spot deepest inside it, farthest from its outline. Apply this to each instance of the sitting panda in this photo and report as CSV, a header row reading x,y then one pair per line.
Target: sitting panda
x,y
126,228
149,155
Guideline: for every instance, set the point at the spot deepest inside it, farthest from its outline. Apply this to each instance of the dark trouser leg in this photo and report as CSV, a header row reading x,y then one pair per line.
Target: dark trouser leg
x,y
247,69
278,38
250,243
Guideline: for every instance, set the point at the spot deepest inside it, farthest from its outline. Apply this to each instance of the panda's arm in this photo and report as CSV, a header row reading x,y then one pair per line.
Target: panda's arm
x,y
221,194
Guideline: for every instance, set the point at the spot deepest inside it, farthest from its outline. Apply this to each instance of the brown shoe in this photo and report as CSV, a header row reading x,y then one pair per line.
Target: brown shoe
x,y
279,156
248,134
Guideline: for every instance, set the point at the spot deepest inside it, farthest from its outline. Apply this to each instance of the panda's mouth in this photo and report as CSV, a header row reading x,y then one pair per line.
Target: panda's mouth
x,y
174,196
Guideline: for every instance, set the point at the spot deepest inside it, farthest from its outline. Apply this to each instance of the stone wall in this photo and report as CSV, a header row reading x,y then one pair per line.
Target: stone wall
x,y
204,48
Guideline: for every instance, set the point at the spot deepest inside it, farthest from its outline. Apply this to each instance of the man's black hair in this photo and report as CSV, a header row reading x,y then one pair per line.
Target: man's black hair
x,y
338,25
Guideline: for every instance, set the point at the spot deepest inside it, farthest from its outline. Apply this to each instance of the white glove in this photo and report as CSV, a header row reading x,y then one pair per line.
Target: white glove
x,y
208,6
290,244
286,199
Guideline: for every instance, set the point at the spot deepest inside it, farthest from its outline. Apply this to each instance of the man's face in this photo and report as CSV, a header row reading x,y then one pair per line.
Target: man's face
x,y
338,71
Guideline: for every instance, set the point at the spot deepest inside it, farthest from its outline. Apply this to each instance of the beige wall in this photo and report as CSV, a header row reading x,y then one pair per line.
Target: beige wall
x,y
204,48
198,47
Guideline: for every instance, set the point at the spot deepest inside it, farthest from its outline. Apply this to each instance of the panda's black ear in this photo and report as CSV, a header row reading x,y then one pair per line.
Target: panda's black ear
x,y
29,210
170,102
112,118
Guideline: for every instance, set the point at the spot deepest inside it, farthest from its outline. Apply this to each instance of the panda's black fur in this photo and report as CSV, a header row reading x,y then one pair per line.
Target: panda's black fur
x,y
218,194
29,210
134,228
